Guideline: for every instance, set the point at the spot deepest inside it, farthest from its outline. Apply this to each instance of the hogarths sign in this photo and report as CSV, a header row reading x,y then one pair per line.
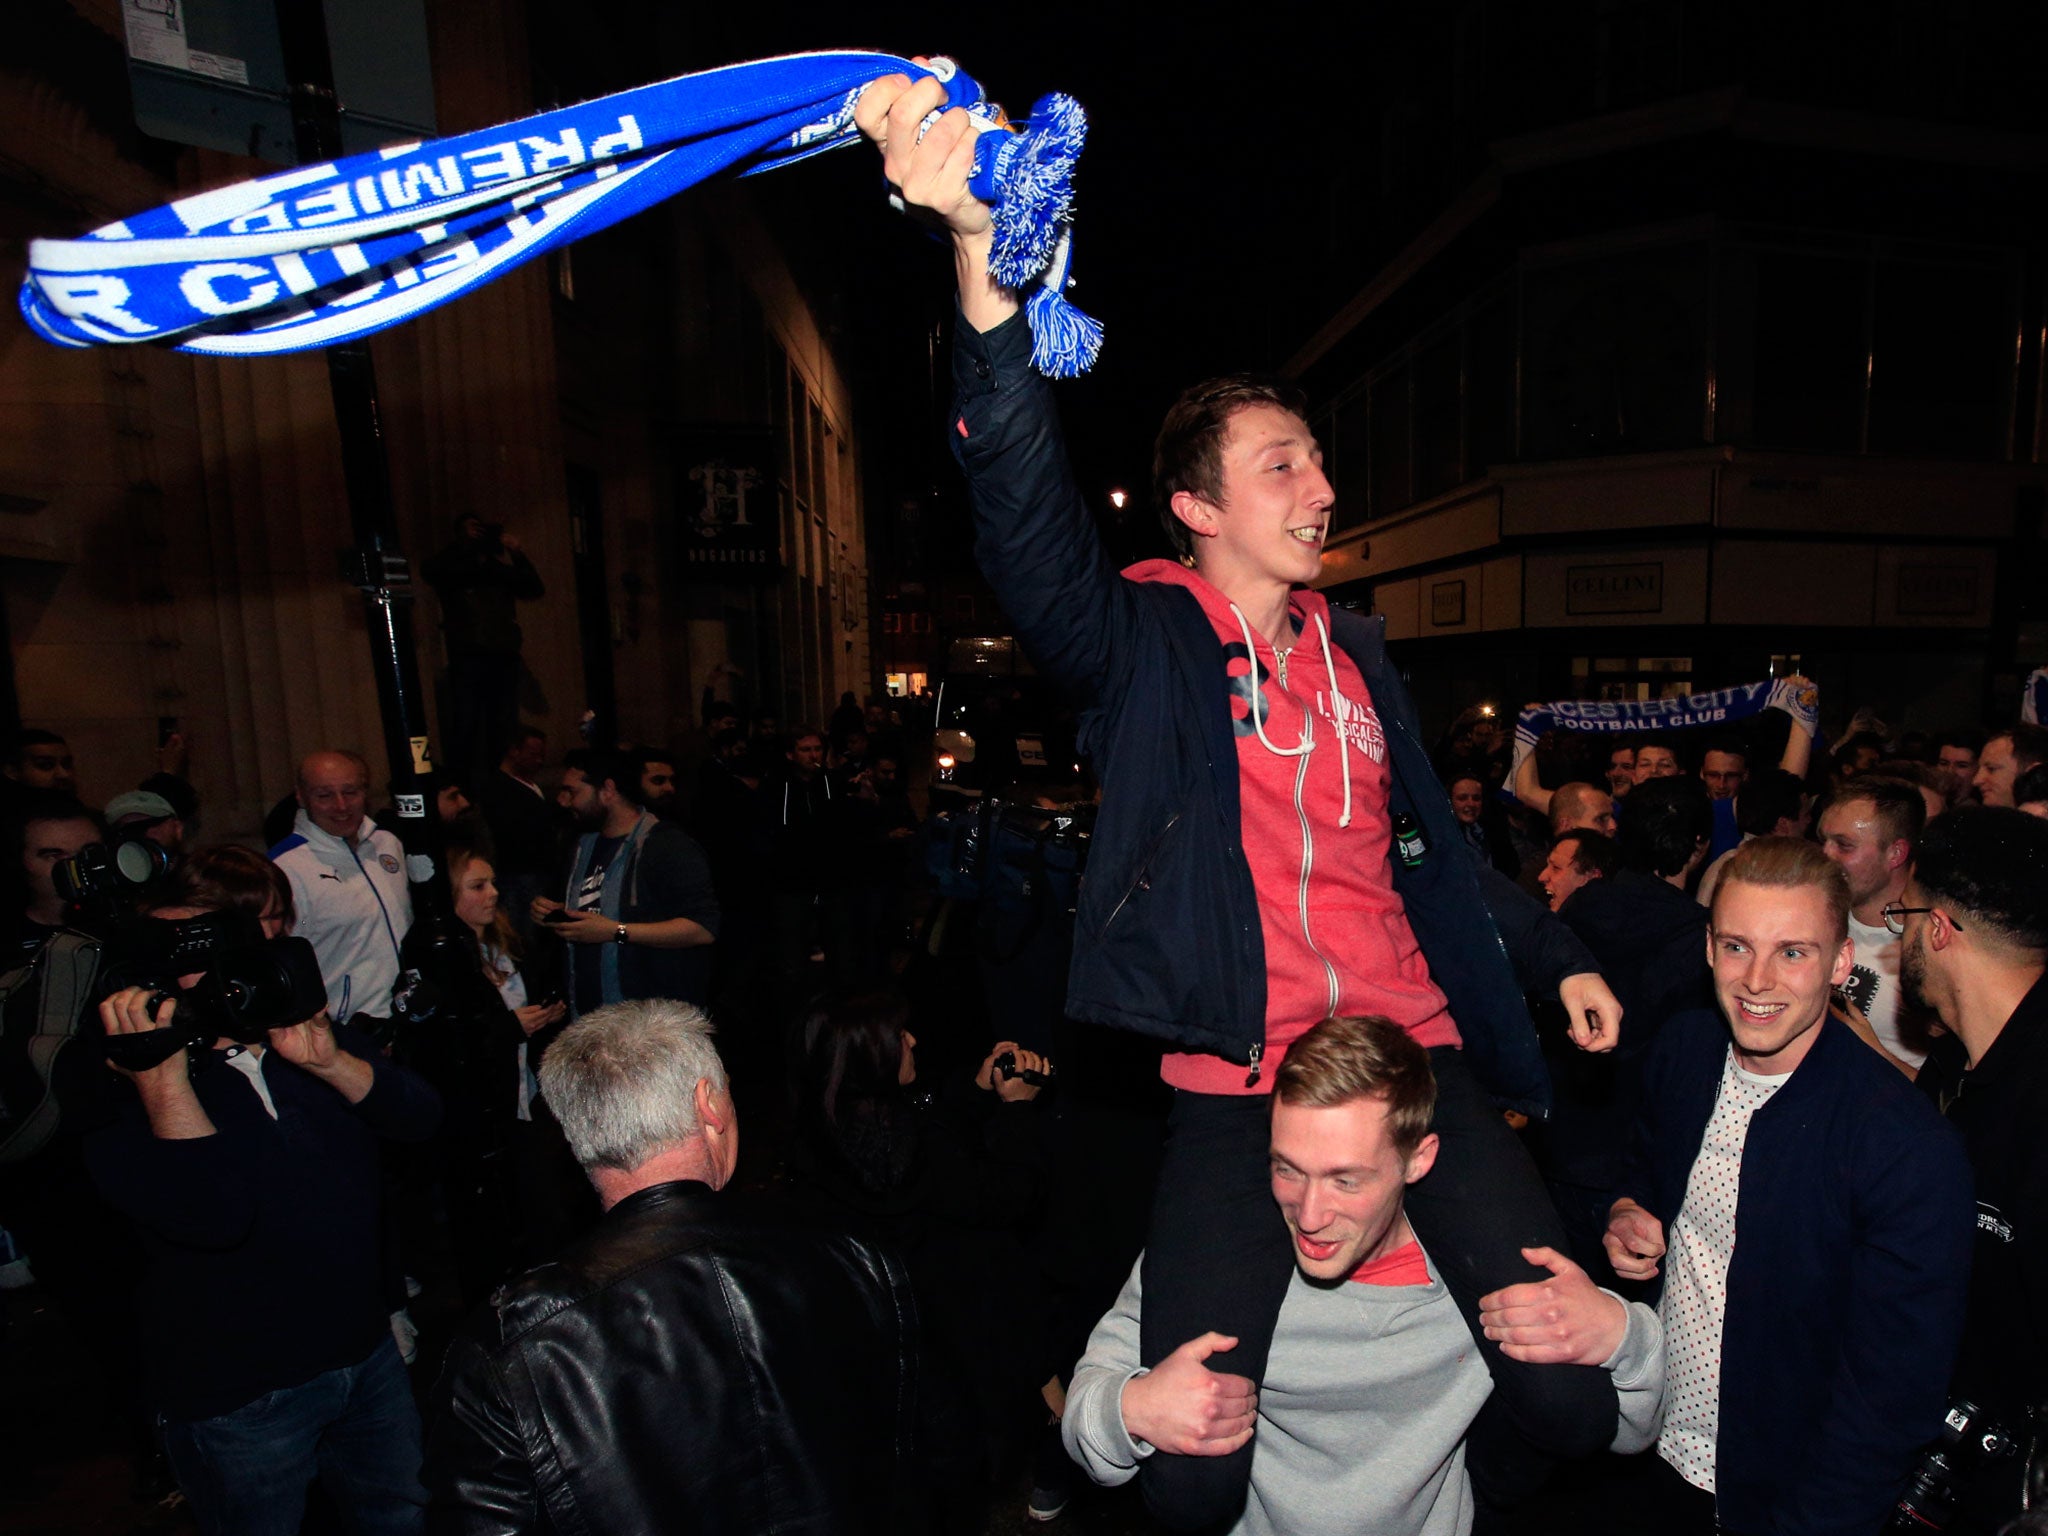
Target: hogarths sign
x,y
728,513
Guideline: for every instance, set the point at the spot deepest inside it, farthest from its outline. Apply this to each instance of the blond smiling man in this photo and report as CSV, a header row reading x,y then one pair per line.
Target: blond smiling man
x,y
1805,1360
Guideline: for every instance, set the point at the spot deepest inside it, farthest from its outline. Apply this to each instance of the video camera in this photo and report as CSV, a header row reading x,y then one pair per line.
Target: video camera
x,y
243,985
107,879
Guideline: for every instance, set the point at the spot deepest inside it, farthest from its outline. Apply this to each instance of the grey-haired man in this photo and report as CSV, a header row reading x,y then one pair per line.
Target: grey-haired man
x,y
701,1361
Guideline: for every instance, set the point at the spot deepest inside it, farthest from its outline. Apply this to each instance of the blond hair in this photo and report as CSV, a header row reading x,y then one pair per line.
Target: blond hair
x,y
1785,863
1340,1061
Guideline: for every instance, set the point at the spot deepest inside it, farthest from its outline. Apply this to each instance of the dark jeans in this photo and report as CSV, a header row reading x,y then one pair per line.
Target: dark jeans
x,y
1218,1257
246,1473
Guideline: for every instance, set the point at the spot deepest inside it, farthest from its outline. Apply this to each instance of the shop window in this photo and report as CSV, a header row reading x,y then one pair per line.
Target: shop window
x,y
1439,435
1615,358
1809,351
1490,386
1942,349
1390,410
1347,461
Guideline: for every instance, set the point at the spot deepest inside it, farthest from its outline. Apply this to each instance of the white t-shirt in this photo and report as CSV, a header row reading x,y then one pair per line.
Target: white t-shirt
x,y
1874,986
1701,1243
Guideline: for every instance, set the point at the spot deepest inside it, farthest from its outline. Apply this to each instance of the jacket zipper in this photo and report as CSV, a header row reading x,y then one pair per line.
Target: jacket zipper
x,y
382,910
1139,881
1308,848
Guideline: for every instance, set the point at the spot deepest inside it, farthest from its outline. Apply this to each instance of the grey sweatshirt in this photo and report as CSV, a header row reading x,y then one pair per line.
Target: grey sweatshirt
x,y
1362,1416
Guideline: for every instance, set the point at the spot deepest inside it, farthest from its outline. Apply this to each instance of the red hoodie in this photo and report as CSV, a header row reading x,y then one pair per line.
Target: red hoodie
x,y
1337,937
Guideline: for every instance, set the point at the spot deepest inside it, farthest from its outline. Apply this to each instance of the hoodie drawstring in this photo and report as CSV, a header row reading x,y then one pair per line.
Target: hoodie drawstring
x,y
1340,709
1251,652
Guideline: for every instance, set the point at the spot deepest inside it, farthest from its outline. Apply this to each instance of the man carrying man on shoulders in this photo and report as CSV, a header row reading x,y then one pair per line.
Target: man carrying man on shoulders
x,y
1372,1381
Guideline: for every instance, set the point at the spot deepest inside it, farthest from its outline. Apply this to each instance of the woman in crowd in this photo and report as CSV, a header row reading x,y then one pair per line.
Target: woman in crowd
x,y
481,1052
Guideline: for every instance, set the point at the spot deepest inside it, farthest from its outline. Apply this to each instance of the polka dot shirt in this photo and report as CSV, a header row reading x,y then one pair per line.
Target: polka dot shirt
x,y
1701,1242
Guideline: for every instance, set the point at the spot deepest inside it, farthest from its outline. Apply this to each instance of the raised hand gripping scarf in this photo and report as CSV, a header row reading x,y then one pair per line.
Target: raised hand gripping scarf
x,y
328,253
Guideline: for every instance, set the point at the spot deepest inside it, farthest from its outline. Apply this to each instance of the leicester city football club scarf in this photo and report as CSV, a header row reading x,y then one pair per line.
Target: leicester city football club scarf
x,y
328,253
1796,696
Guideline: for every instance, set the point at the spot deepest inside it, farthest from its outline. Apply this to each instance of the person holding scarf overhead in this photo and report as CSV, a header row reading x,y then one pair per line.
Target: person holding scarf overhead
x,y
1257,753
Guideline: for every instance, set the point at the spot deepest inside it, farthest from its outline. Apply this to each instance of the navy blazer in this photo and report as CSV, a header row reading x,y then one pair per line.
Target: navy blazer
x,y
1846,1291
1166,934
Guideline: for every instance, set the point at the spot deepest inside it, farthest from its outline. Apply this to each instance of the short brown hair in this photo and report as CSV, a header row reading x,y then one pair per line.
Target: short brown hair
x,y
1343,1060
229,878
1188,453
1898,807
1781,863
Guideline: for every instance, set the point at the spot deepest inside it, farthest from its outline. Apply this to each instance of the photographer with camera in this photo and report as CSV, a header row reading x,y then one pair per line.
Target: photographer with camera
x,y
247,1158
1973,926
51,1088
48,1077
480,579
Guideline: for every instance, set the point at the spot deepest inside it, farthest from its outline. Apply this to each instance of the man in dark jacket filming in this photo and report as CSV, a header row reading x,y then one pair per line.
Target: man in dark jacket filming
x,y
699,1363
251,1174
1256,749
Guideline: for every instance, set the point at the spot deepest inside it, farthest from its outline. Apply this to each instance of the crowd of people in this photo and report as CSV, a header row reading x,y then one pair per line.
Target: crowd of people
x,y
392,1149
1614,1131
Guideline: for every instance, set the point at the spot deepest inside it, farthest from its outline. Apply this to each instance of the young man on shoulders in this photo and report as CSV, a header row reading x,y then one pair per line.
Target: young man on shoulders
x,y
1254,746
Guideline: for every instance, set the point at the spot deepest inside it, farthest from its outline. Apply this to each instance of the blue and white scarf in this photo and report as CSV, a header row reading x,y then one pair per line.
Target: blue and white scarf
x,y
1796,696
328,253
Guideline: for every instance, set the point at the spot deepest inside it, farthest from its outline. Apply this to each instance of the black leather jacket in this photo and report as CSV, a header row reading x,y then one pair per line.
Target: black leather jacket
x,y
699,1363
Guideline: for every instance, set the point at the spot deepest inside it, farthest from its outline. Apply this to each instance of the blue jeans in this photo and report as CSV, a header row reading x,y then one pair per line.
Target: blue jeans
x,y
356,1429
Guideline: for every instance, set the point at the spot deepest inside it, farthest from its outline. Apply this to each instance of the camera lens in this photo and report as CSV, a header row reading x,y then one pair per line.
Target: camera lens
x,y
140,861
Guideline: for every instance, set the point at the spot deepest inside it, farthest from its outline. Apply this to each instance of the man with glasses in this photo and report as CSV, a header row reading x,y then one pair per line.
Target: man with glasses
x,y
1974,921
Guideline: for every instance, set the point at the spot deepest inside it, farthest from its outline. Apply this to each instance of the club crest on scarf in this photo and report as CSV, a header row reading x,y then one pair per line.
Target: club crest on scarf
x,y
328,253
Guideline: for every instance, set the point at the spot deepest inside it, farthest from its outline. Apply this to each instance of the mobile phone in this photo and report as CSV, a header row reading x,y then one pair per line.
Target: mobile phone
x,y
559,915
166,728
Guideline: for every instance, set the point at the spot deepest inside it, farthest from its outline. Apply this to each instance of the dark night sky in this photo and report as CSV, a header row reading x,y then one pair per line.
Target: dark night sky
x,y
1183,227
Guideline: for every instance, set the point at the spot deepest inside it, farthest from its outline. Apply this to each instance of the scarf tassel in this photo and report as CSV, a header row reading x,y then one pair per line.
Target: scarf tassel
x,y
1064,341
